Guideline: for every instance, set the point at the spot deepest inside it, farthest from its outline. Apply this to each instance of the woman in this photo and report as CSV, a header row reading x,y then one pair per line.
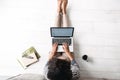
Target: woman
x,y
61,66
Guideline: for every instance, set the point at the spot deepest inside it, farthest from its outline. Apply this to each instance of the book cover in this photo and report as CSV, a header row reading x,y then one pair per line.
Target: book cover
x,y
28,57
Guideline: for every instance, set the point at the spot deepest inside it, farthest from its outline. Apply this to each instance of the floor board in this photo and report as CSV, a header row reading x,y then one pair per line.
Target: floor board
x,y
96,79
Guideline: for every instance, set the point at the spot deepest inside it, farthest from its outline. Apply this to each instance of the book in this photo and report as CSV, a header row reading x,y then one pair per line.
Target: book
x,y
28,57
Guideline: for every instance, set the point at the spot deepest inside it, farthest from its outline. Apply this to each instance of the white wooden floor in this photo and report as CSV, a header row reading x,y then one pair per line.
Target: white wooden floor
x,y
96,79
6,77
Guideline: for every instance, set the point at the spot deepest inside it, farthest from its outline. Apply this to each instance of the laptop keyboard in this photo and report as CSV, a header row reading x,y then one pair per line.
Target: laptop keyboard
x,y
61,41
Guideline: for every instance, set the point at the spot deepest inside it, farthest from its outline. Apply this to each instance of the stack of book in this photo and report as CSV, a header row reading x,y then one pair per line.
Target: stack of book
x,y
28,57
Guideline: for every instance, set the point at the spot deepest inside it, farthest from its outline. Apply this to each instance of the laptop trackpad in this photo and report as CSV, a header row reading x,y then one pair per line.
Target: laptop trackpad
x,y
60,48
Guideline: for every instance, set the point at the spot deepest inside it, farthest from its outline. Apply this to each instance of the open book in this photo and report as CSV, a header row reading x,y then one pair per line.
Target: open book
x,y
28,57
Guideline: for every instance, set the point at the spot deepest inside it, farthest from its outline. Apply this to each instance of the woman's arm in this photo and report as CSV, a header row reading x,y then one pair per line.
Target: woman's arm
x,y
66,50
53,51
74,66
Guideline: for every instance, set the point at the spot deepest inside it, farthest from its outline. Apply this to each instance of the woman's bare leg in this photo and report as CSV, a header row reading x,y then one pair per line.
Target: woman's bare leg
x,y
64,11
64,6
59,12
59,8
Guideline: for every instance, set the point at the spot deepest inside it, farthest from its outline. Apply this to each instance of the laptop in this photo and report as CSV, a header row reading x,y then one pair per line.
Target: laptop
x,y
62,35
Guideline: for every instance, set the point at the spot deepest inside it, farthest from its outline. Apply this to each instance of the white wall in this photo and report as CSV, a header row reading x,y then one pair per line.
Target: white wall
x,y
26,23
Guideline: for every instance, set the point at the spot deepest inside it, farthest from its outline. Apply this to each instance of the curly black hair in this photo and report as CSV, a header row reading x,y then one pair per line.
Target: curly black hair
x,y
59,70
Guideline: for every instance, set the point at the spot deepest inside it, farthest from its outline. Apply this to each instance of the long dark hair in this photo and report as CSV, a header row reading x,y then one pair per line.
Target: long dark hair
x,y
59,70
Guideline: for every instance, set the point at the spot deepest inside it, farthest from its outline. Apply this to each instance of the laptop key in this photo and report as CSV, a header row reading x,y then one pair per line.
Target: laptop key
x,y
61,41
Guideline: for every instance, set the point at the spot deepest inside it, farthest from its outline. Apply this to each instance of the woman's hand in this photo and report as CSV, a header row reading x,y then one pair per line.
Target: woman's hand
x,y
65,47
54,48
67,52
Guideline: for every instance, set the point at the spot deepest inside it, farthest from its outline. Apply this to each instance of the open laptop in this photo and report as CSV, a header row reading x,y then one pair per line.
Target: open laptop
x,y
62,35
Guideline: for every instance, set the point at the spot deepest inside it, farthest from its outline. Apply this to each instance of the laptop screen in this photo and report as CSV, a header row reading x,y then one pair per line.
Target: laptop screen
x,y
62,31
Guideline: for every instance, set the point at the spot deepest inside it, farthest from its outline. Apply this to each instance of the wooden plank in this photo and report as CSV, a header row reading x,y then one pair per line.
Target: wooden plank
x,y
101,74
101,64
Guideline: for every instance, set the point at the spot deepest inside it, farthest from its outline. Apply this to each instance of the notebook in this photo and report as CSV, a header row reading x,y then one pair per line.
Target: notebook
x,y
62,35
